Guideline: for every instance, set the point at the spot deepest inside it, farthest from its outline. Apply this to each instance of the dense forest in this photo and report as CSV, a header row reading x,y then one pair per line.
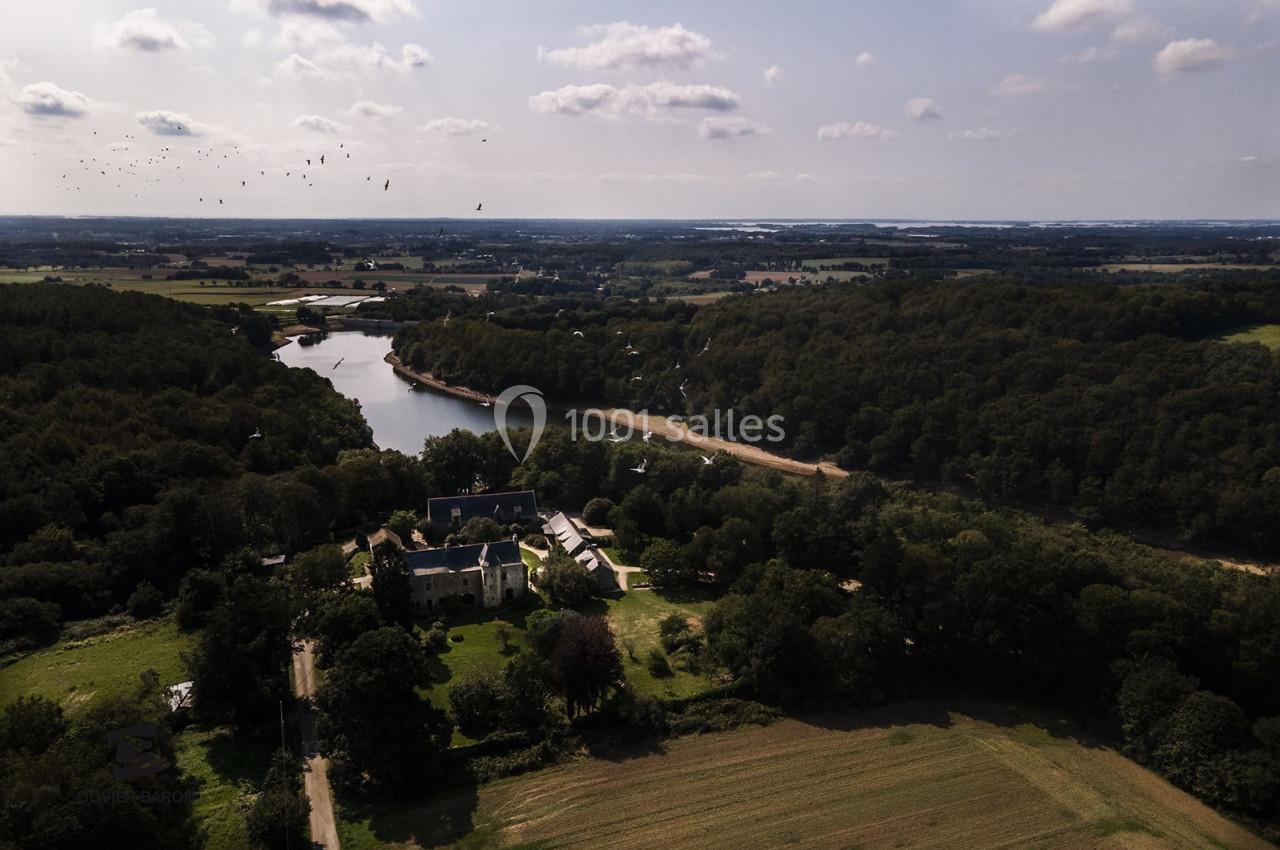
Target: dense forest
x,y
1109,400
141,438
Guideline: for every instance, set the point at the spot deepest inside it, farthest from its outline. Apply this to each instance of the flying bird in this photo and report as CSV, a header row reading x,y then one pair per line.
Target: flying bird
x,y
387,185
644,464
256,435
579,333
479,207
322,159
705,348
648,435
706,461
339,363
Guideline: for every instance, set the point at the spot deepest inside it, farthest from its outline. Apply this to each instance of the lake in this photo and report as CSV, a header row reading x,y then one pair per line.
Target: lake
x,y
400,414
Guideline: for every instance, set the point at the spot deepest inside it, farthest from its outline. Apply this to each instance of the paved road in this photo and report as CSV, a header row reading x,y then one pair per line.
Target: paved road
x,y
324,829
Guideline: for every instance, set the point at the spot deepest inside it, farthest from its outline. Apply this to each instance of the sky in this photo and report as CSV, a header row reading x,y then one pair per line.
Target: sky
x,y
812,109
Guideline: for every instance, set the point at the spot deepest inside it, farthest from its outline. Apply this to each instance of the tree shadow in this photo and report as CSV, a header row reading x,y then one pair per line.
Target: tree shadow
x,y
1027,723
439,820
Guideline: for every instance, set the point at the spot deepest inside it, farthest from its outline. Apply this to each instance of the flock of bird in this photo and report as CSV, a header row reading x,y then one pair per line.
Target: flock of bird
x,y
135,170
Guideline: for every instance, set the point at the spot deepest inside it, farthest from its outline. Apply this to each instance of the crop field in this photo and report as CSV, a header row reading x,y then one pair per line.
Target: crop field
x,y
1268,335
74,672
1174,268
815,265
905,776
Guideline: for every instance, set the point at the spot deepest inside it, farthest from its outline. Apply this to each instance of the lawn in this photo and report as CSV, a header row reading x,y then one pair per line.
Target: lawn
x,y
224,770
74,672
1268,335
904,776
634,617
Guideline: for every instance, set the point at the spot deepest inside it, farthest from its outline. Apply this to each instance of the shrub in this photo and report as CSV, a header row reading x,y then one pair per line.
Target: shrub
x,y
658,665
597,512
145,602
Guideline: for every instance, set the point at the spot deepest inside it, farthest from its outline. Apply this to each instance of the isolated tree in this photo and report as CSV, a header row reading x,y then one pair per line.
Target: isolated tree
x,y
567,583
339,621
477,703
596,512
372,722
317,572
392,589
279,816
663,563
586,664
403,523
238,668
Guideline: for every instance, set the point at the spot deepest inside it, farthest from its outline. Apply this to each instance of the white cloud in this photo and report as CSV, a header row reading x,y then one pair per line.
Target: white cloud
x,y
858,130
318,124
305,34
143,31
625,46
720,129
763,177
1017,85
650,101
336,58
415,56
1078,14
374,110
1142,28
980,134
866,59
1190,54
164,123
622,178
353,11
300,66
47,100
921,109
456,126
772,75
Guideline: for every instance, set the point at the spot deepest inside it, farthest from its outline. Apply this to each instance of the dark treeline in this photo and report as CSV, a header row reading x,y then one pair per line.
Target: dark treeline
x,y
142,438
1105,399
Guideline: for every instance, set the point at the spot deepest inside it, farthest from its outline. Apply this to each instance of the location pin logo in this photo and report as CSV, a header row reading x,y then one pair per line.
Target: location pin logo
x,y
533,397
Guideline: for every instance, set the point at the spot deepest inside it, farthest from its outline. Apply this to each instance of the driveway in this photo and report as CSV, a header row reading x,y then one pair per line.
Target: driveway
x,y
324,829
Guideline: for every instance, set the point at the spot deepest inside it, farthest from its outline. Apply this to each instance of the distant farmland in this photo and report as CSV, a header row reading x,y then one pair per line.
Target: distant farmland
x,y
926,780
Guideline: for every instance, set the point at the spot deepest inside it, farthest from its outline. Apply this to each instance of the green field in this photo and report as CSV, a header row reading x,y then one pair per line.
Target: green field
x,y
223,769
633,616
915,776
1268,335
814,265
74,672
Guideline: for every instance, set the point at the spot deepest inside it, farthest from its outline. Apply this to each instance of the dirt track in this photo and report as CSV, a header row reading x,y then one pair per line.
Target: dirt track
x,y
324,829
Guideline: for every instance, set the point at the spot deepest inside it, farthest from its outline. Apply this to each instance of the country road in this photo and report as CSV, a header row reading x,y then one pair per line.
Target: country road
x,y
324,829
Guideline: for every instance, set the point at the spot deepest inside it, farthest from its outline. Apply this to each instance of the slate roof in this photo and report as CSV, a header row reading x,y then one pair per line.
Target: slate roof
x,y
458,558
562,529
497,506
